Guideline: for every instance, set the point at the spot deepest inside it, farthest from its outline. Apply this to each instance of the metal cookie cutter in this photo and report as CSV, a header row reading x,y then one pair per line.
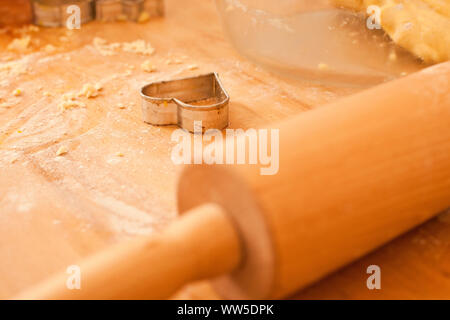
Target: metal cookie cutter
x,y
131,10
135,9
53,13
154,8
108,10
184,101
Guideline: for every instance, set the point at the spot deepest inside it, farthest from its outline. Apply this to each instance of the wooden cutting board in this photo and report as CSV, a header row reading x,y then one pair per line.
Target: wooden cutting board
x,y
117,180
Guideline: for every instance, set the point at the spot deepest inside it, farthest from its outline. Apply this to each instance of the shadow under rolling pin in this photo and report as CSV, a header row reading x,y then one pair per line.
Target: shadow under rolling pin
x,y
353,175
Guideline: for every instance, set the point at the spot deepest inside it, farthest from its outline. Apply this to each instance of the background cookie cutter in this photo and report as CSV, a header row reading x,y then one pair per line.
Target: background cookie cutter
x,y
184,101
108,10
131,10
53,13
154,8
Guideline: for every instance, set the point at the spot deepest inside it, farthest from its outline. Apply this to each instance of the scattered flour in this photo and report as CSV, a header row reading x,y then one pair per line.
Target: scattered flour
x,y
125,218
110,49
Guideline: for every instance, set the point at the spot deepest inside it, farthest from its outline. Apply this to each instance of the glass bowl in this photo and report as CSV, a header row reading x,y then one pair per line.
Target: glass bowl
x,y
314,40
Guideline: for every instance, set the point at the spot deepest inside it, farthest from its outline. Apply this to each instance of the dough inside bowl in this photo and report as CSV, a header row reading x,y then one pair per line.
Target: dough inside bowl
x,y
420,26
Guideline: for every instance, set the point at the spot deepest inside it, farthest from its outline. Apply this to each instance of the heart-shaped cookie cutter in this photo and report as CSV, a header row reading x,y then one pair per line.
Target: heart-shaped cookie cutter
x,y
183,101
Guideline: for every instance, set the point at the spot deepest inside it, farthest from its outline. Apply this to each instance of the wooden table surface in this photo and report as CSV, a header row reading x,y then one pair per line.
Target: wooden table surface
x,y
117,180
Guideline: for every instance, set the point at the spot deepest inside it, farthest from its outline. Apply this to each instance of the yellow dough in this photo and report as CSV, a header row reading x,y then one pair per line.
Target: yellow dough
x,y
420,26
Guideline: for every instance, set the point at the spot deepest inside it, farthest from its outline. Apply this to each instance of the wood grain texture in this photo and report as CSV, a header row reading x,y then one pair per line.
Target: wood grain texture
x,y
56,210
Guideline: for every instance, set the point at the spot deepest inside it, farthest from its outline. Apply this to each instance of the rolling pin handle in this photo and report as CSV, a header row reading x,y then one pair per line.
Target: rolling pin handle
x,y
201,244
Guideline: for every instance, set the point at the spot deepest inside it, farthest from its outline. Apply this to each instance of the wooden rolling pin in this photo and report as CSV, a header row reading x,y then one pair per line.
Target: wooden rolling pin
x,y
353,175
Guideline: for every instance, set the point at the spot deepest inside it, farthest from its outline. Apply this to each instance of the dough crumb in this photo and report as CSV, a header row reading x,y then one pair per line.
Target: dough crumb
x,y
103,47
173,61
89,90
121,106
20,44
147,66
50,48
143,17
323,67
120,154
392,56
138,46
68,104
99,86
69,96
33,28
62,151
99,41
17,92
192,67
